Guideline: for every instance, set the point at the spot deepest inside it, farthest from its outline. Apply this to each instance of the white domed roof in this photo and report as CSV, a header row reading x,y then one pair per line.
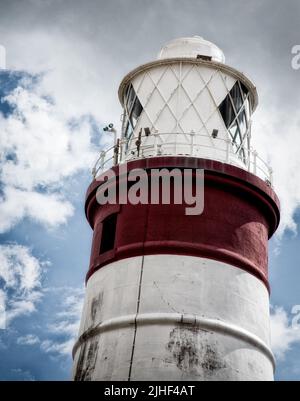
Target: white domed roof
x,y
192,47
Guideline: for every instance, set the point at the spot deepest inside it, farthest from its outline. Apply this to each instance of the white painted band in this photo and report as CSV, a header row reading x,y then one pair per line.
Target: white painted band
x,y
177,318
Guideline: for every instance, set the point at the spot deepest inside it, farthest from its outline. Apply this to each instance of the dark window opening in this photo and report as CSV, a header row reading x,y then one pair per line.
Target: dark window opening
x,y
236,97
206,58
235,111
108,233
133,110
137,108
227,111
244,89
231,105
128,130
130,95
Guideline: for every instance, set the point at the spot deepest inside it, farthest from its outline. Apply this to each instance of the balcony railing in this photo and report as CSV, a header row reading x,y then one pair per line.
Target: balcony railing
x,y
138,148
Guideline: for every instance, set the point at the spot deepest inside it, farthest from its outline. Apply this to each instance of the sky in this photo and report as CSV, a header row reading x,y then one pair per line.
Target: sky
x,y
64,62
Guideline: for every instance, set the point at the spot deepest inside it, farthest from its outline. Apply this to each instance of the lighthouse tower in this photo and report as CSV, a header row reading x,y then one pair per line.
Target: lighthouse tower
x,y
172,295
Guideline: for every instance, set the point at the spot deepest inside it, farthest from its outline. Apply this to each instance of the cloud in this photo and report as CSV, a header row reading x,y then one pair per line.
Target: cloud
x,y
47,209
29,339
63,331
82,63
2,310
20,275
58,348
40,148
22,375
279,145
283,333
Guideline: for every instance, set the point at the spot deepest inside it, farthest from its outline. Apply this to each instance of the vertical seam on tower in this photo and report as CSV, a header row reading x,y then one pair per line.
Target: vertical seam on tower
x,y
135,319
139,299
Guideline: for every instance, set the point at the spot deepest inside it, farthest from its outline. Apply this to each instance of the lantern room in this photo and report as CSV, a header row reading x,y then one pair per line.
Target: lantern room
x,y
188,102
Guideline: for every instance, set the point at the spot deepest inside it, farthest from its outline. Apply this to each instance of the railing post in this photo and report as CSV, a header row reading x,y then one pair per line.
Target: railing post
x,y
116,152
121,150
254,162
138,143
155,143
125,148
192,134
271,176
249,159
102,159
228,142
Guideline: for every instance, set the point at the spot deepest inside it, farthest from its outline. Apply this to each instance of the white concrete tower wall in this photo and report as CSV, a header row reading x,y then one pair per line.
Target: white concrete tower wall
x,y
169,317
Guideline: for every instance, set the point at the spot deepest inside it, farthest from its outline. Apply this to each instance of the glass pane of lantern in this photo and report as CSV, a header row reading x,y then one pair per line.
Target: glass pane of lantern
x,y
236,96
227,111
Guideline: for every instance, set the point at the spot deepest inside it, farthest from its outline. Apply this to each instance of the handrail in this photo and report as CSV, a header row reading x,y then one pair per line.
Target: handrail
x,y
136,147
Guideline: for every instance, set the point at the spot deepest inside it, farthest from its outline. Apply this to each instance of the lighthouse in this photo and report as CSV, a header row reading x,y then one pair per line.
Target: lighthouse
x,y
171,294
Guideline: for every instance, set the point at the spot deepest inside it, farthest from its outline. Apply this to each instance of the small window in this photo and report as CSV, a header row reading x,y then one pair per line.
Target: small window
x,y
227,111
130,97
236,97
201,56
137,108
108,233
235,111
133,110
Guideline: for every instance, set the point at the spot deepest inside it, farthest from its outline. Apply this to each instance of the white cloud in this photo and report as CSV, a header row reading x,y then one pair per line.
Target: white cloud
x,y
277,139
2,310
29,339
80,78
39,149
21,274
81,74
48,209
46,147
64,329
284,334
61,348
22,375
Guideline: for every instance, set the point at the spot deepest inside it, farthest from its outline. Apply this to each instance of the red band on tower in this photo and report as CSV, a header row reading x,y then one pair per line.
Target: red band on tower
x,y
241,213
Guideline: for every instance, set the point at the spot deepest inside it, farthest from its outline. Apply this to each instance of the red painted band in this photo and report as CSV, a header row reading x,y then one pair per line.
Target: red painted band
x,y
240,213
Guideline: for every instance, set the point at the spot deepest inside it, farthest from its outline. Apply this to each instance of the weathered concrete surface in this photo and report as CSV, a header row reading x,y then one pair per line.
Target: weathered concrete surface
x,y
169,317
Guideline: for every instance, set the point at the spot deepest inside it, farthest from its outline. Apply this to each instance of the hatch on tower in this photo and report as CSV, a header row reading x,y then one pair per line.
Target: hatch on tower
x,y
193,47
